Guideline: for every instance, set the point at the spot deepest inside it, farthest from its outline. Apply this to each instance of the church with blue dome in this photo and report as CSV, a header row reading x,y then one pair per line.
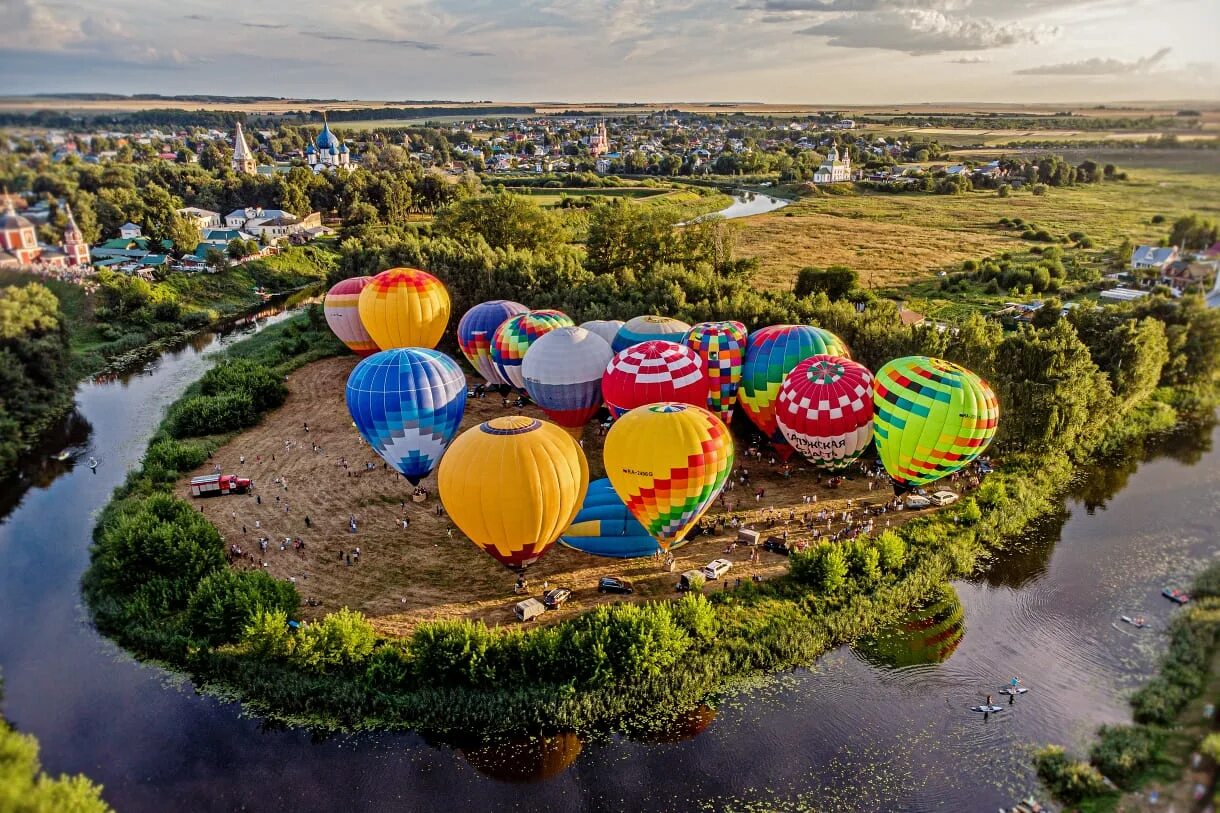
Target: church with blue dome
x,y
327,151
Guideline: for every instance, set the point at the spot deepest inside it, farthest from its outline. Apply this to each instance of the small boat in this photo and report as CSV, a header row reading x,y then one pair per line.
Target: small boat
x,y
1137,622
1175,595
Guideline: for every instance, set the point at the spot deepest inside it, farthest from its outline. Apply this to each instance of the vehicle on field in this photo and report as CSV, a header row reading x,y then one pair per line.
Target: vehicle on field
x,y
614,584
776,544
556,596
917,501
529,609
943,498
691,580
716,568
218,485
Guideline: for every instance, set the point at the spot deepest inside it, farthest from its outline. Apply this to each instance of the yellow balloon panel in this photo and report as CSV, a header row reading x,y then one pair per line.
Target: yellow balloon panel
x,y
513,485
668,462
404,307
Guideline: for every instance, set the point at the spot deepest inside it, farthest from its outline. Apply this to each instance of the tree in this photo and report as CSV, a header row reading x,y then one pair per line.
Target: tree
x,y
504,220
836,282
1192,231
216,260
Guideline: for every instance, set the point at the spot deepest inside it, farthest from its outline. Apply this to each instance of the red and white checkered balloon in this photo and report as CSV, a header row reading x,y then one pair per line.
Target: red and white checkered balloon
x,y
825,410
652,372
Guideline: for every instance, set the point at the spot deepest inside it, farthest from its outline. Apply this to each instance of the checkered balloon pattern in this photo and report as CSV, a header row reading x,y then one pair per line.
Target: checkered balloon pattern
x,y
932,418
653,372
825,410
772,353
515,336
668,463
407,404
722,346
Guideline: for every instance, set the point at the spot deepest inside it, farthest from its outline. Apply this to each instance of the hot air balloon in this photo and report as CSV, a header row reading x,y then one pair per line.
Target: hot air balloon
x,y
667,463
825,410
563,374
513,485
407,404
932,419
722,346
343,315
518,333
648,328
605,527
771,353
525,759
606,328
652,372
927,636
476,329
404,307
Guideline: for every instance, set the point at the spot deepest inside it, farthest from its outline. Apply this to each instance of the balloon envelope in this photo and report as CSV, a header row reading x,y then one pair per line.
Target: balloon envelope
x,y
514,338
771,353
341,308
722,346
475,331
667,463
606,328
605,527
407,404
404,307
649,328
932,418
513,485
653,372
927,636
825,410
563,374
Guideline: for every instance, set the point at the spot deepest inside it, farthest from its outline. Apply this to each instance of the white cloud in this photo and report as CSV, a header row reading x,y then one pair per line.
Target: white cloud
x,y
924,32
969,60
1098,66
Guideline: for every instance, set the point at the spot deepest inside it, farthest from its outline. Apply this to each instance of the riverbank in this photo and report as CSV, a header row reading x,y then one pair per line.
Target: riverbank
x,y
456,676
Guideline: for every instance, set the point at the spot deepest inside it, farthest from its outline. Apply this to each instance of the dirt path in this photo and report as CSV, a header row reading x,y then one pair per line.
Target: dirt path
x,y
403,577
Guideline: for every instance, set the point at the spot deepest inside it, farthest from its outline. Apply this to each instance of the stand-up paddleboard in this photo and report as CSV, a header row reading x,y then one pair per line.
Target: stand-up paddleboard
x,y
987,709
1010,690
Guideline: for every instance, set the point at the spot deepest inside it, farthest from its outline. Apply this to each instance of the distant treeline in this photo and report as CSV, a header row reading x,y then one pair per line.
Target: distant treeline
x,y
999,121
369,114
153,117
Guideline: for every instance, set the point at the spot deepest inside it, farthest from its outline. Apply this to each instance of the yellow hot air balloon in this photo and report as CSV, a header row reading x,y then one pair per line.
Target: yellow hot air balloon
x,y
667,463
513,485
404,307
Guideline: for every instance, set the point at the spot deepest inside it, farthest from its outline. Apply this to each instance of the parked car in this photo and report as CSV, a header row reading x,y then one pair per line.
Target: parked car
x,y
614,584
555,596
529,609
916,501
944,498
777,545
691,580
716,568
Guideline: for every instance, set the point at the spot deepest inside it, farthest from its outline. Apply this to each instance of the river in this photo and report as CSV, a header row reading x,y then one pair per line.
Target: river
x,y
885,729
751,203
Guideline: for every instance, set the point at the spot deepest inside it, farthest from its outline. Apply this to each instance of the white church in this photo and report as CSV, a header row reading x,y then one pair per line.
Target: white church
x,y
834,168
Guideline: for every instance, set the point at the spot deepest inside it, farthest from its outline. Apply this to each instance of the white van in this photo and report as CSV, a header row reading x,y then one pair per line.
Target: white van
x,y
716,568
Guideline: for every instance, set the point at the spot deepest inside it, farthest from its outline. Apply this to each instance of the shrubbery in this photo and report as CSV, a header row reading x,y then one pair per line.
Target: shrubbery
x,y
1069,780
211,414
226,600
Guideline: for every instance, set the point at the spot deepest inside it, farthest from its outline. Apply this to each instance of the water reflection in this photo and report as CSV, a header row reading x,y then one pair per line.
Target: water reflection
x,y
928,635
682,727
525,759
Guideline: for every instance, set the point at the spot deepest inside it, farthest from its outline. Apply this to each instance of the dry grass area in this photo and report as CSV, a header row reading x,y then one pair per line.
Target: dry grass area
x,y
404,577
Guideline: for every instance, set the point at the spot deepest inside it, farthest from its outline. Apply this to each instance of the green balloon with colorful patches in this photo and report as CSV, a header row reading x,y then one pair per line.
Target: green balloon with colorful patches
x,y
931,418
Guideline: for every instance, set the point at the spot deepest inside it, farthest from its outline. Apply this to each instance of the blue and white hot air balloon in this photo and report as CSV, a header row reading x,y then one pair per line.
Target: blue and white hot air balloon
x,y
407,403
604,526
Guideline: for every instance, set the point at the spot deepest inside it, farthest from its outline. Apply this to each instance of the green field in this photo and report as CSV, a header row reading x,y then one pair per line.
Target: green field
x,y
893,240
544,196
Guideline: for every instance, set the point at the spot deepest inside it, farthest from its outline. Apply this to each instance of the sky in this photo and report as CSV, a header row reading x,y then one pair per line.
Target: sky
x,y
776,51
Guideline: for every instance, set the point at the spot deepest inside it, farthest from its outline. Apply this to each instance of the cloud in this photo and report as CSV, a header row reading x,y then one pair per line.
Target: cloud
x,y
1098,66
416,44
203,18
264,25
969,60
921,32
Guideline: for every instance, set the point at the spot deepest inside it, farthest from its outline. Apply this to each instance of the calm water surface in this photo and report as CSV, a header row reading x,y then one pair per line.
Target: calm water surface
x,y
880,727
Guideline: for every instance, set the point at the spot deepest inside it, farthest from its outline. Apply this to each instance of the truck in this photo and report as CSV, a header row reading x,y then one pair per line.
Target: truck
x,y
217,485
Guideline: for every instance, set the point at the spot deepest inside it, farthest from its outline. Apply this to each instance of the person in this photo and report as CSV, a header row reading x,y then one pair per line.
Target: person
x,y
1015,683
308,524
988,703
93,464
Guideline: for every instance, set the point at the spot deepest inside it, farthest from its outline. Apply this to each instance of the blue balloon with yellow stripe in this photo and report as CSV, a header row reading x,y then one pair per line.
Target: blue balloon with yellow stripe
x,y
605,527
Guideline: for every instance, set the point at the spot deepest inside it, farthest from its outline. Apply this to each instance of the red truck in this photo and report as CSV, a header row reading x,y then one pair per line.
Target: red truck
x,y
216,485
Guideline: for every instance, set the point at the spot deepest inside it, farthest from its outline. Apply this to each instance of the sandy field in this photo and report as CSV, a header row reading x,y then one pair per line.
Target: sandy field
x,y
430,570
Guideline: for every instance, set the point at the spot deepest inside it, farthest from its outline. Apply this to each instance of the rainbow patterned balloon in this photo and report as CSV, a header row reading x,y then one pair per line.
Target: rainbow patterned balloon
x,y
341,309
722,346
513,338
772,353
476,329
825,410
667,463
404,307
932,419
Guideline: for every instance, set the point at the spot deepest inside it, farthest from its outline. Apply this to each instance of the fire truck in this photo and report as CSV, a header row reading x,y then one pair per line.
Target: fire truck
x,y
217,485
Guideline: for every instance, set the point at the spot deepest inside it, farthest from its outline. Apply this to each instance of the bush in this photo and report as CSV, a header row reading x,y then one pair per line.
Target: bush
x,y
1039,189
822,567
891,550
174,456
211,415
695,614
267,635
227,600
970,513
340,640
1124,752
1069,780
265,389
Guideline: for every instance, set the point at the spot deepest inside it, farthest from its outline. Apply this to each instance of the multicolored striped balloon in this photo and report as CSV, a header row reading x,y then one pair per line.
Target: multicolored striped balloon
x,y
668,463
404,307
407,404
341,308
932,418
563,374
513,338
772,353
653,372
475,331
825,410
649,328
722,346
